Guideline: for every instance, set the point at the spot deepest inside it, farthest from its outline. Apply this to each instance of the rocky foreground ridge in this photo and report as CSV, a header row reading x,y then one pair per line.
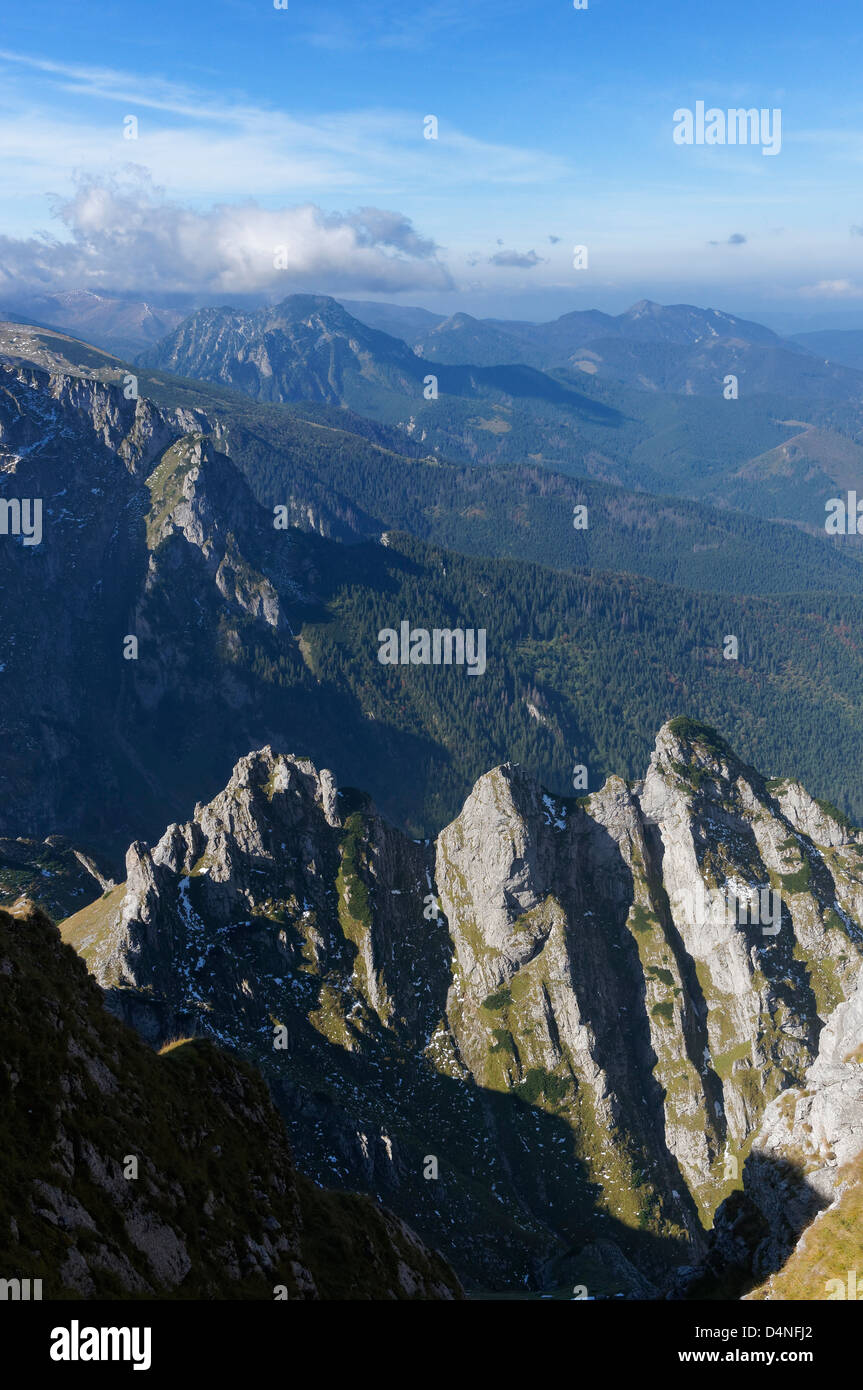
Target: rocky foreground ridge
x,y
125,1174
543,1038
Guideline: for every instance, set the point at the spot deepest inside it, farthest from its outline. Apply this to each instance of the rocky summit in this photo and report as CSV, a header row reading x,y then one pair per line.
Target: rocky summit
x,y
606,1041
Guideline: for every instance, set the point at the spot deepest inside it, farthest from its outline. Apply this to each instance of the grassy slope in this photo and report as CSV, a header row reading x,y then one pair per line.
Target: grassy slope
x,y
826,1251
79,1092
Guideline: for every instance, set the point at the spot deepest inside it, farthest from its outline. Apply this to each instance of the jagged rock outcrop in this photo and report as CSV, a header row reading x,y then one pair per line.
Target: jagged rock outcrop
x,y
566,1005
809,1134
130,1175
197,494
802,1180
50,403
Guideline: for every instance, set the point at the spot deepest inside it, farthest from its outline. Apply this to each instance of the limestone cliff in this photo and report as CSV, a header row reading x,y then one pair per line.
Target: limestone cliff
x,y
549,1038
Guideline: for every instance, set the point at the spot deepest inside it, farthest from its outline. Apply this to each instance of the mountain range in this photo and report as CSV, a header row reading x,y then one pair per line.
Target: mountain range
x,y
431,973
639,400
523,510
119,324
155,530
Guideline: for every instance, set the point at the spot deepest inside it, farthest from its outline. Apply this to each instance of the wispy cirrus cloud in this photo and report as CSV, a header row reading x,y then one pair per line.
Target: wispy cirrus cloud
x,y
390,24
200,143
211,184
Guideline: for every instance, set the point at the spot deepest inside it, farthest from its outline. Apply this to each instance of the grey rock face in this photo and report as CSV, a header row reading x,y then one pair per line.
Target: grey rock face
x,y
562,1003
807,1136
148,531
307,348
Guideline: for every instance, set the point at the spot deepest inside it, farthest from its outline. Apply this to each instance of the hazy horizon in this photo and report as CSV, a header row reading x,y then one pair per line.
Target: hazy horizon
x,y
456,160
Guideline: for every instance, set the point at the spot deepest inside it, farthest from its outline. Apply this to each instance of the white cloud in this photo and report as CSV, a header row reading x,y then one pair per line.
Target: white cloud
x,y
832,289
520,260
239,179
125,234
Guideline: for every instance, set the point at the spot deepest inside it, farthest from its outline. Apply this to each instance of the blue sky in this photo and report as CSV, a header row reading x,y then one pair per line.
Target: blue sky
x,y
302,129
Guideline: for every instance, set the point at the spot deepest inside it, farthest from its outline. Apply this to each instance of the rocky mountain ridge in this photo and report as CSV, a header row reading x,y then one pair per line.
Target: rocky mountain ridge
x,y
464,1000
655,347
121,325
795,1225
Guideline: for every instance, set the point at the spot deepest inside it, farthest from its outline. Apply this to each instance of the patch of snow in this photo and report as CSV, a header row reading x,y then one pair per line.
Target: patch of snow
x,y
553,818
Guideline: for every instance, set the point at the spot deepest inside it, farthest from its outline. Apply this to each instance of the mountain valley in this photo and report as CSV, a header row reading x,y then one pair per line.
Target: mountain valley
x,y
431,974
